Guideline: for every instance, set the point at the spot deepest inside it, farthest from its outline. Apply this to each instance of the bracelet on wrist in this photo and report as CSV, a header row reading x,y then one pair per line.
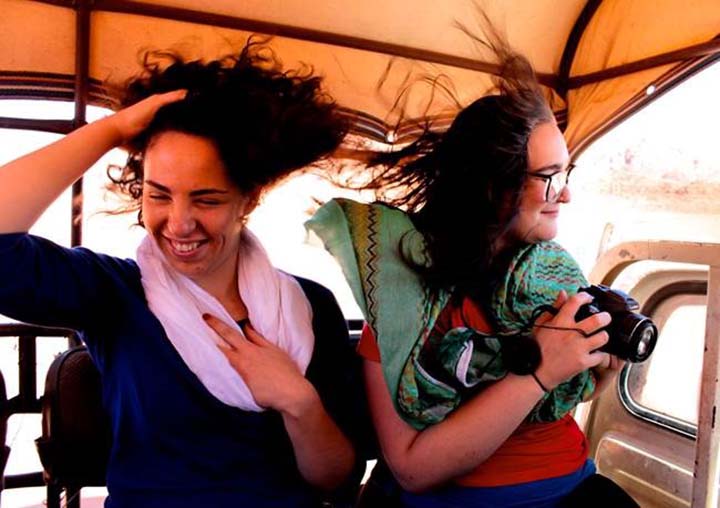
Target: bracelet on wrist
x,y
537,380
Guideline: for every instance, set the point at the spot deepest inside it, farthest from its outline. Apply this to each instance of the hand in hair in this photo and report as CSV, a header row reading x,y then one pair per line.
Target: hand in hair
x,y
38,178
131,121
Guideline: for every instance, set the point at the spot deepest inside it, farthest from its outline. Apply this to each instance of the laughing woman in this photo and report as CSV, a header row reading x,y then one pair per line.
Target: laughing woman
x,y
223,377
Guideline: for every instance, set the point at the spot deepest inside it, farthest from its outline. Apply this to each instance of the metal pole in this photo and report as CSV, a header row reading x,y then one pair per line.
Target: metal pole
x,y
82,64
705,485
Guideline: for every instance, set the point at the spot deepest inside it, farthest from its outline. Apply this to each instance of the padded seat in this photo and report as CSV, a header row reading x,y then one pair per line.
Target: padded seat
x,y
75,444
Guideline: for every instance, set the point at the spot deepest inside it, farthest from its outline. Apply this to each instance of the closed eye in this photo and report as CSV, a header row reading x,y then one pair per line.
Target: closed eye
x,y
209,202
159,197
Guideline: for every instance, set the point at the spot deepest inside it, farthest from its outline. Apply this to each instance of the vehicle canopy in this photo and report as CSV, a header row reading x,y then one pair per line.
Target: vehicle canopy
x,y
602,59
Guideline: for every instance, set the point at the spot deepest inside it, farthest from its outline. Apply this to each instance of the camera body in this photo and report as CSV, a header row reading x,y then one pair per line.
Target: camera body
x,y
632,335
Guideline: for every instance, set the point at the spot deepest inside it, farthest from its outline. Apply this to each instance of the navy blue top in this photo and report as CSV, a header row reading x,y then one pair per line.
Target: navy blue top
x,y
174,444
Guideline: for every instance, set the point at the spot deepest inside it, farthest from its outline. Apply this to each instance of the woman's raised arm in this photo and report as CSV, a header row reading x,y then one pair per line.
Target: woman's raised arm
x,y
29,185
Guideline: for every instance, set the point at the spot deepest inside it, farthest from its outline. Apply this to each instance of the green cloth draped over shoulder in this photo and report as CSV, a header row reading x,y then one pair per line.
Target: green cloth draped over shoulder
x,y
428,375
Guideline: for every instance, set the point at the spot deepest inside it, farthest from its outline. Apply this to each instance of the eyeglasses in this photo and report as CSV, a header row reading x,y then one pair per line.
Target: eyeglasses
x,y
555,182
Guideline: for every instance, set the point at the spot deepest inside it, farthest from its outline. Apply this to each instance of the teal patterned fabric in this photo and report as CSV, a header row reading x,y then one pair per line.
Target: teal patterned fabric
x,y
536,274
429,374
371,244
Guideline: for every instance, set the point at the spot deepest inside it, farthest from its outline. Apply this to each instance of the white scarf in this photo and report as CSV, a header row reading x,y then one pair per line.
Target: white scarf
x,y
276,304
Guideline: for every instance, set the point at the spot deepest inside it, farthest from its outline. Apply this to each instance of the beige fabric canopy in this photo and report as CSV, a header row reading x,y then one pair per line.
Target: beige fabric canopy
x,y
598,56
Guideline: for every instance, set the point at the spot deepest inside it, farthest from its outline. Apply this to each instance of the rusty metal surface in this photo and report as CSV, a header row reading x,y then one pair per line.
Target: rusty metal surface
x,y
655,464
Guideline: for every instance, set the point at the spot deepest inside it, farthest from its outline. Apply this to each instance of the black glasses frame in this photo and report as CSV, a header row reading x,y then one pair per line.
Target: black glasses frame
x,y
549,179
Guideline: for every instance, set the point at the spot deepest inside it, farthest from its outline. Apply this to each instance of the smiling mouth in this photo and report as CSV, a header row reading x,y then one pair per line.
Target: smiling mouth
x,y
185,248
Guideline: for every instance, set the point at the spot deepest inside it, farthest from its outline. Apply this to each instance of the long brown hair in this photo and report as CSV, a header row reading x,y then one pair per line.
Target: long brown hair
x,y
266,122
462,186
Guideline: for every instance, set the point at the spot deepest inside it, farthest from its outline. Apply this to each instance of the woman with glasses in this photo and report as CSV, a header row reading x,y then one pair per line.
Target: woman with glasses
x,y
470,387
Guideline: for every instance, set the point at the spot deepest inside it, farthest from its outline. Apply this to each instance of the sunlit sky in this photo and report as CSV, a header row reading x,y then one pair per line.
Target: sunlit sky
x,y
682,122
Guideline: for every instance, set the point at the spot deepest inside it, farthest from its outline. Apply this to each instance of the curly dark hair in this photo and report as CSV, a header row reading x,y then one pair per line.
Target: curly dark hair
x,y
462,186
264,121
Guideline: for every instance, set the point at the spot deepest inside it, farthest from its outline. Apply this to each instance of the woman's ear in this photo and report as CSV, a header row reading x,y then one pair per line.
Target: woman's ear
x,y
252,199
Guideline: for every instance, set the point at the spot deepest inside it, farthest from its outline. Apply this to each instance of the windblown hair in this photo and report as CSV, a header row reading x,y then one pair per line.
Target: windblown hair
x,y
265,122
462,187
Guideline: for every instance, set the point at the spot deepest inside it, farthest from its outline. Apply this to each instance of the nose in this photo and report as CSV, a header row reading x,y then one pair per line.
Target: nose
x,y
181,221
564,196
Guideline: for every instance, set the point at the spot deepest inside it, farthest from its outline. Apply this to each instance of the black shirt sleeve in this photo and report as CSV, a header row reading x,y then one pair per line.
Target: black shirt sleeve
x,y
336,372
46,284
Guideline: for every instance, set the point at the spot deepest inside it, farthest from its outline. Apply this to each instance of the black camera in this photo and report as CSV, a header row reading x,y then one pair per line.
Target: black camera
x,y
632,335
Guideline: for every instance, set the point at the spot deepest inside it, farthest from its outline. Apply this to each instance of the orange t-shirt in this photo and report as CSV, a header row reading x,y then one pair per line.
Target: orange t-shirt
x,y
535,451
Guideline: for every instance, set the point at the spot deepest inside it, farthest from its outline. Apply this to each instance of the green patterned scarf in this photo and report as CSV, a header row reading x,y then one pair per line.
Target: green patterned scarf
x,y
429,375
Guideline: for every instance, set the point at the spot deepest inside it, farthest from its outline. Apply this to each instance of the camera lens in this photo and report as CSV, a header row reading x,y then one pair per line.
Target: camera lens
x,y
638,337
645,343
631,336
